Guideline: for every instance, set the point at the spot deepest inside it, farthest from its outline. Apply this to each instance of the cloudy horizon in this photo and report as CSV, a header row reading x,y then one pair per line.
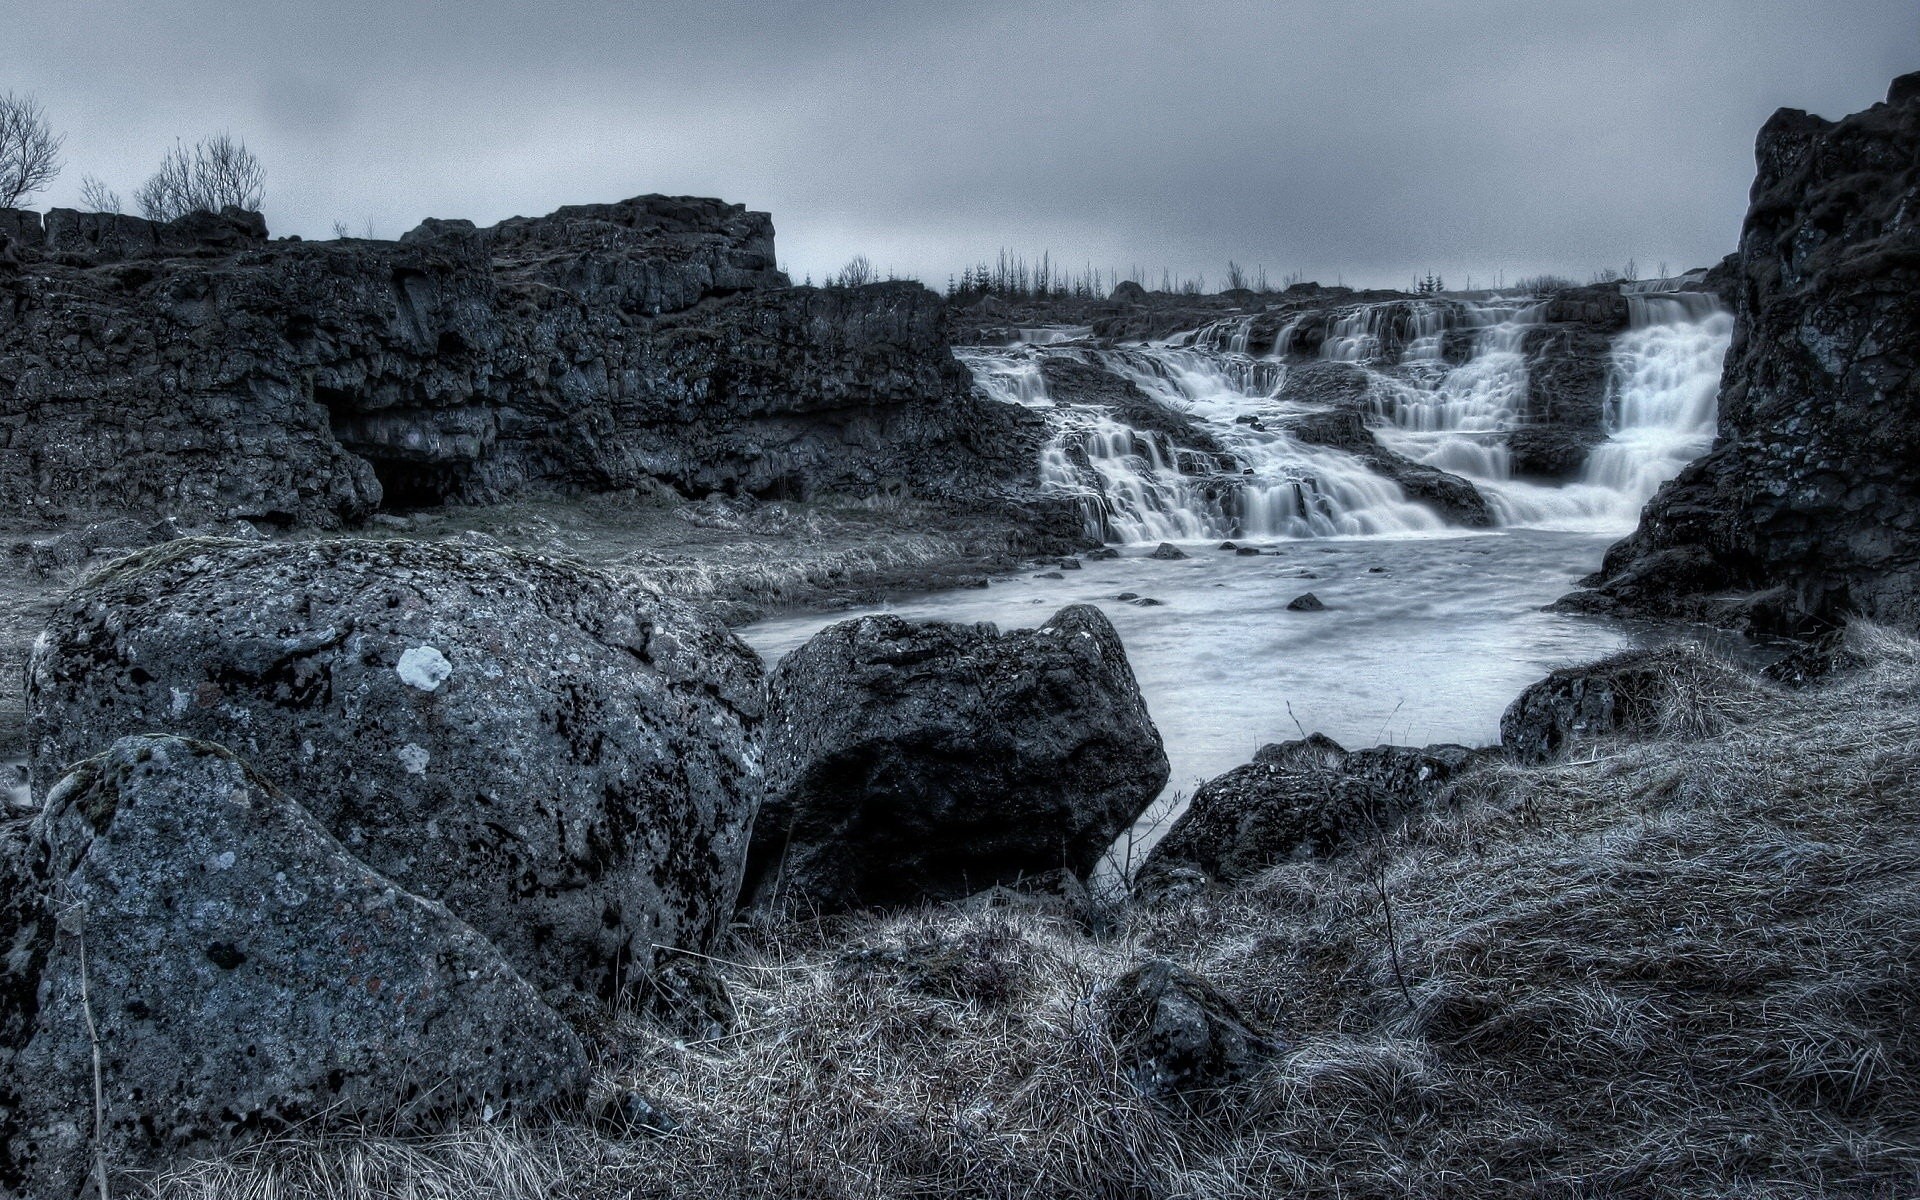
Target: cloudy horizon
x,y
1481,139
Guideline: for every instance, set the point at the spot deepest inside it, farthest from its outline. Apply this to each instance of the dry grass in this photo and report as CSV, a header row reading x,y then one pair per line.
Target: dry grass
x,y
1687,968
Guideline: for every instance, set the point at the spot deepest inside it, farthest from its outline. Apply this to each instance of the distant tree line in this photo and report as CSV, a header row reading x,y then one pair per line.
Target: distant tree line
x,y
1011,276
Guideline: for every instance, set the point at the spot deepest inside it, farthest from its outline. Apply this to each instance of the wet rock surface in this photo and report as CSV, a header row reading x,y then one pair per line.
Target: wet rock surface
x,y
928,761
211,374
1808,508
244,973
1299,798
1453,497
566,762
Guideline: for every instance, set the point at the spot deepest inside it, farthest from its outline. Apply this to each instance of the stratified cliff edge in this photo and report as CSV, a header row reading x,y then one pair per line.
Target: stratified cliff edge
x,y
1808,508
199,369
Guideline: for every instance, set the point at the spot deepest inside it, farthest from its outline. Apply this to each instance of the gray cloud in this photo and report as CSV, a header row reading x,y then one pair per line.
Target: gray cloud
x,y
1368,141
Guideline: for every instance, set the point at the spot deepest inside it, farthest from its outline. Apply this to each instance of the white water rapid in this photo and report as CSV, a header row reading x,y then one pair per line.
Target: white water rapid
x,y
1447,384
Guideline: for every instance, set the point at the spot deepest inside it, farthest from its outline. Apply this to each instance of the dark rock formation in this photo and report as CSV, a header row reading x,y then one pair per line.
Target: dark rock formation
x,y
1181,1041
197,369
1308,797
1306,602
911,761
1071,381
1568,366
1808,508
1168,552
1454,498
245,973
562,761
1674,690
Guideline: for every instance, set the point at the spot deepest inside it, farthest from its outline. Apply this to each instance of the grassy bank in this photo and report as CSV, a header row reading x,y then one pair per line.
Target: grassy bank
x,y
1685,966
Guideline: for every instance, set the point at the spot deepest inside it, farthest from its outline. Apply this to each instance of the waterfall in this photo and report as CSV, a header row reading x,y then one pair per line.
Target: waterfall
x,y
1009,376
1141,485
1662,403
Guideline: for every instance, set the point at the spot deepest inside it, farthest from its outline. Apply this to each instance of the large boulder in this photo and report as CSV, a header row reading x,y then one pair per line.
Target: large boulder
x,y
1808,509
563,761
213,961
1301,798
911,761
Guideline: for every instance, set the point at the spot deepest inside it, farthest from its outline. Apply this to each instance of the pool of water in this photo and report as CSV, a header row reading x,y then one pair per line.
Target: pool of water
x,y
1423,639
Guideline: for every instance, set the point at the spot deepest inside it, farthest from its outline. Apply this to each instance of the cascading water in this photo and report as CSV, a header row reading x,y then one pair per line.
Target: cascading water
x,y
1662,406
1140,486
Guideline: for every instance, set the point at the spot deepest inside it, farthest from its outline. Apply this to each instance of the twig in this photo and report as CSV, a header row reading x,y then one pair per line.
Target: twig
x,y
93,1038
1296,720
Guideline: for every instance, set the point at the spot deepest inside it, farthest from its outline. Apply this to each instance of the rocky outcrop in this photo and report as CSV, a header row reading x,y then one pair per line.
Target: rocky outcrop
x,y
219,966
1569,363
927,761
1678,690
1071,381
1299,798
1808,508
566,763
200,370
1452,497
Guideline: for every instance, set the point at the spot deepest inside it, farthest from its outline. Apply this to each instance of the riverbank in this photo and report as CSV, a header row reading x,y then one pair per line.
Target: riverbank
x,y
738,557
1677,965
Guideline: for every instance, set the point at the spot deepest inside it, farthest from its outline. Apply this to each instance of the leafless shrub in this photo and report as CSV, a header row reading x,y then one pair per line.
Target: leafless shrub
x,y
29,149
96,196
857,273
215,173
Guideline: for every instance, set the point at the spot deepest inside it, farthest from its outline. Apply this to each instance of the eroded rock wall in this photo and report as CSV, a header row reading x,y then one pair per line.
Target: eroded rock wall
x,y
199,369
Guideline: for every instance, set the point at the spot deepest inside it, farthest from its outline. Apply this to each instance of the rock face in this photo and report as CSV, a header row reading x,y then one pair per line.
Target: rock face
x,y
909,761
204,371
244,973
1180,1040
1808,508
566,764
1307,797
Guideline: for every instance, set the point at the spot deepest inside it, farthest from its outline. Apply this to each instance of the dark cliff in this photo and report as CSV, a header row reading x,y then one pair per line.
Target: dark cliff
x,y
200,369
1808,508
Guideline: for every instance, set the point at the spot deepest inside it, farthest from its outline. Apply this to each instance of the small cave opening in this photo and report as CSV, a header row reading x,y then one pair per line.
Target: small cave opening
x,y
405,486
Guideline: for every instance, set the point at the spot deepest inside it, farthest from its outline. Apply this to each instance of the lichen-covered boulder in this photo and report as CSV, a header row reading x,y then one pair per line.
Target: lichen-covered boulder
x,y
911,761
237,971
1299,798
565,762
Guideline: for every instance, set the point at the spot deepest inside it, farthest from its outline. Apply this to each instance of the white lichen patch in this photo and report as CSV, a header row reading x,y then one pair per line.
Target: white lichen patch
x,y
414,758
423,667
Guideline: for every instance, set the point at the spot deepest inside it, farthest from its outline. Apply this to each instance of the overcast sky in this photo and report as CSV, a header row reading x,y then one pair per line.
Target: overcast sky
x,y
1358,140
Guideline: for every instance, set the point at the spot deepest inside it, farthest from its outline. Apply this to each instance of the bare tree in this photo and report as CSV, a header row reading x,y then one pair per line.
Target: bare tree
x,y
96,196
858,271
29,149
216,173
